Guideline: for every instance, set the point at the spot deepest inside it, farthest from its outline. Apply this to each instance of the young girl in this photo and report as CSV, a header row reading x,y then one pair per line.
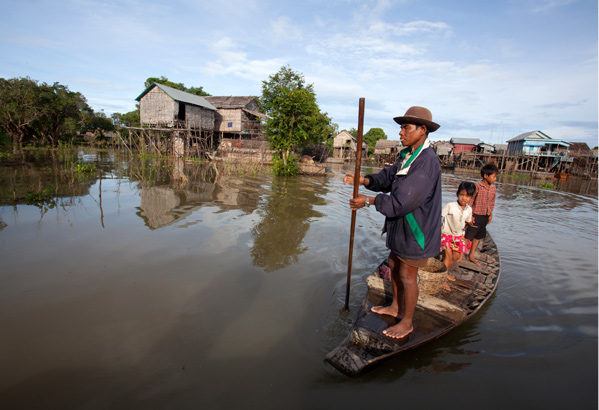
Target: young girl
x,y
456,215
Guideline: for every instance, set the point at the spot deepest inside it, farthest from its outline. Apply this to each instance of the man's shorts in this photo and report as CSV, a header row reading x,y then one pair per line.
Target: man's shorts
x,y
415,263
479,230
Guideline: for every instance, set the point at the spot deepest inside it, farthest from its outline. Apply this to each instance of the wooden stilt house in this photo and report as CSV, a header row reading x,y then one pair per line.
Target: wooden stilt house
x,y
237,117
162,106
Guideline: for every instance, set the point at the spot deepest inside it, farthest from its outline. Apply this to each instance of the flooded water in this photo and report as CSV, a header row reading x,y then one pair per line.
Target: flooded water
x,y
221,290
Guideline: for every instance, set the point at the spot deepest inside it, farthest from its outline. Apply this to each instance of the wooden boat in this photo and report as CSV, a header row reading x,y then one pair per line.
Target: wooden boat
x,y
435,315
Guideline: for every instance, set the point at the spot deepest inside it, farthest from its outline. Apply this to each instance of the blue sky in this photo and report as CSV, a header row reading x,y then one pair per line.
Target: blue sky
x,y
486,69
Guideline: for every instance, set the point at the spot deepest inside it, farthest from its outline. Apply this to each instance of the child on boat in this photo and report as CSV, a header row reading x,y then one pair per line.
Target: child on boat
x,y
455,217
482,203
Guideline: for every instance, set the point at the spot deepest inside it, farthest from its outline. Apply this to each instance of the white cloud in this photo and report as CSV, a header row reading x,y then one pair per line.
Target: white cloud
x,y
544,6
283,29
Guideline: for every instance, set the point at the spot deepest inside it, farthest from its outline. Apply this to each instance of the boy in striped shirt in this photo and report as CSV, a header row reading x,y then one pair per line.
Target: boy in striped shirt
x,y
482,203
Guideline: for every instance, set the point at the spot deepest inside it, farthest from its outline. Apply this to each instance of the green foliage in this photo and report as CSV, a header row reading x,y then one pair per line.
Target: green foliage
x,y
97,122
4,137
46,195
43,113
82,168
130,119
372,136
547,185
285,168
294,118
179,86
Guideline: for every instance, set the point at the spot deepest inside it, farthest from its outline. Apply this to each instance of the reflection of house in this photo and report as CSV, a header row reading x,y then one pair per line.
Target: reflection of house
x,y
344,146
160,105
163,205
464,144
237,116
534,143
386,147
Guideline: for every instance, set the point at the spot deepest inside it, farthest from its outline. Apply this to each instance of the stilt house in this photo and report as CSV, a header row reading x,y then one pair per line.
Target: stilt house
x,y
464,144
386,147
344,146
535,143
237,116
164,106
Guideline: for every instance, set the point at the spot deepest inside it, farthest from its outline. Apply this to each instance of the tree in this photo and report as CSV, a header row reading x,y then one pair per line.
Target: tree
x,y
20,101
294,118
45,112
372,136
62,111
130,119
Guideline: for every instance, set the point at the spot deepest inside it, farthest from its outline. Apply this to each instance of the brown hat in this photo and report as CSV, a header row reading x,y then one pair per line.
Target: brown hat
x,y
418,116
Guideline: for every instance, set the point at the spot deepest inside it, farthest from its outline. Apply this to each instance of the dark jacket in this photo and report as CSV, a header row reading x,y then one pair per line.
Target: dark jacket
x,y
413,208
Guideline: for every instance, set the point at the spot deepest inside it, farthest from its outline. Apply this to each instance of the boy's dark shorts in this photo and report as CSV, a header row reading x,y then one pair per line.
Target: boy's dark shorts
x,y
479,231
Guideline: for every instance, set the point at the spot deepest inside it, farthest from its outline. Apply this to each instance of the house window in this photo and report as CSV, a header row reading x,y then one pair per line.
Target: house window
x,y
230,124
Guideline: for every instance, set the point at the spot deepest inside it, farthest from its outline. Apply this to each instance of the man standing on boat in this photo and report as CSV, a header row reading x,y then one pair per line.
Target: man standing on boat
x,y
411,203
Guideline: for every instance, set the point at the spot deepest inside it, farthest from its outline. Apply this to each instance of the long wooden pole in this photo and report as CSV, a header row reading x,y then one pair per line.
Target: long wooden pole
x,y
356,189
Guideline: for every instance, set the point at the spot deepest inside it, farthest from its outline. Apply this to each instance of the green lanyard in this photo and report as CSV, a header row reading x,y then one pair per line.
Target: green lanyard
x,y
418,234
404,152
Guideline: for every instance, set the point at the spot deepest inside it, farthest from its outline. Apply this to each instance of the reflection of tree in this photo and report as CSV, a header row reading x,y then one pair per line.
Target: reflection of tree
x,y
42,176
285,221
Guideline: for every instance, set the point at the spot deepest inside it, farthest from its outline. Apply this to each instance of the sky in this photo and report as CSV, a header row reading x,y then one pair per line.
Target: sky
x,y
486,69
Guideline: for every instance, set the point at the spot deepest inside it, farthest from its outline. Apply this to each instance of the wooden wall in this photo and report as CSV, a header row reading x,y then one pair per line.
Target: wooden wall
x,y
199,118
157,108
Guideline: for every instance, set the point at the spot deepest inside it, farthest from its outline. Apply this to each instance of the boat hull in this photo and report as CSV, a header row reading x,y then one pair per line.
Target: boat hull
x,y
435,315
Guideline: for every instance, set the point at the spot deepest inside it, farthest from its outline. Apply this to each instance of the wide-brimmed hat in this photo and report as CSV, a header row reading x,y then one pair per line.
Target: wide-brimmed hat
x,y
418,116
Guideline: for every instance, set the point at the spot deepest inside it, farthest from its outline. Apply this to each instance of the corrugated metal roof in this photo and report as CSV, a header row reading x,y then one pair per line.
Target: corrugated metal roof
x,y
533,135
179,95
465,141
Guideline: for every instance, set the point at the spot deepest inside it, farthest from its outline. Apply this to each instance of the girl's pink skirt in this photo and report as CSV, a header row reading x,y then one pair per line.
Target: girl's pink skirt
x,y
455,243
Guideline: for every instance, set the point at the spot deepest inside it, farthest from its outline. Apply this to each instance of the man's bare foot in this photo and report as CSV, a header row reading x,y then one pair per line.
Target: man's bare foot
x,y
471,259
446,287
399,331
386,310
451,278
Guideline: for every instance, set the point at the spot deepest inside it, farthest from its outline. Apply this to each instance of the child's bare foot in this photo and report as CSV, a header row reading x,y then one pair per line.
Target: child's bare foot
x,y
399,331
471,259
386,310
451,278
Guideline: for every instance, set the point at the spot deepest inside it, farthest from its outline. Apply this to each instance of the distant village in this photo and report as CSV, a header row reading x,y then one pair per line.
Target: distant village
x,y
231,126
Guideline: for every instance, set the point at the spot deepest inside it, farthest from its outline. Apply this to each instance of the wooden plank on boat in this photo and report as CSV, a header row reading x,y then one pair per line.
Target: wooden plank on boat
x,y
439,306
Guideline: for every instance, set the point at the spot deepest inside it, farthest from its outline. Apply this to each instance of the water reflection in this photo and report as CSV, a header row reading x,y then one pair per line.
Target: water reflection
x,y
285,220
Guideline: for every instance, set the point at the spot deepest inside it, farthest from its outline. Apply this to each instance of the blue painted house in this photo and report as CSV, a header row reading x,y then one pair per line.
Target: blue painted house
x,y
534,143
